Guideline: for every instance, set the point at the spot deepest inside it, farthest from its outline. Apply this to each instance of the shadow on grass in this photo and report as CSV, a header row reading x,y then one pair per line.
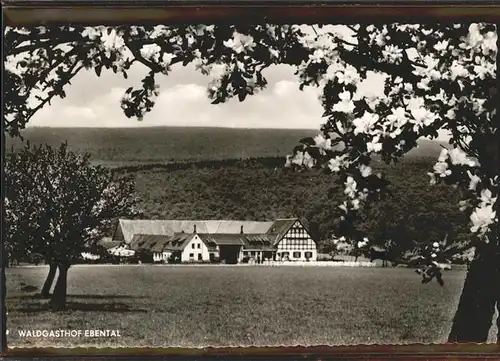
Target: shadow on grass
x,y
85,307
95,297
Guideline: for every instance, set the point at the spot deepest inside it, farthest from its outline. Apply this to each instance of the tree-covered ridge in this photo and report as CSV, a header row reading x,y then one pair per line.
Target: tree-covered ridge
x,y
260,189
121,146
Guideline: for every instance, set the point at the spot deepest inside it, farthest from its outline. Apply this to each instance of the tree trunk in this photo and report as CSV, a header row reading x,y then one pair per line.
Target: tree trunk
x,y
498,319
481,291
49,281
58,301
474,316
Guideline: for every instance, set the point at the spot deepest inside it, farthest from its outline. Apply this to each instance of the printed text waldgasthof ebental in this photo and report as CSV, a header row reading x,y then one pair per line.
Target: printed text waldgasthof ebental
x,y
68,333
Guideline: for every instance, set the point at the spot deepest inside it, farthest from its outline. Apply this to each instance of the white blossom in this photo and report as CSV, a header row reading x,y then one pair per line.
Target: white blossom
x,y
303,159
458,70
432,177
343,206
240,43
365,170
365,123
346,104
441,45
392,54
317,56
322,142
363,243
464,205
374,145
350,187
92,32
336,163
398,117
474,180
482,218
348,76
443,155
441,169
487,198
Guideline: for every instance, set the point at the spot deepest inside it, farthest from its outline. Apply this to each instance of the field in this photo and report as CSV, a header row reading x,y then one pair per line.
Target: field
x,y
187,306
193,306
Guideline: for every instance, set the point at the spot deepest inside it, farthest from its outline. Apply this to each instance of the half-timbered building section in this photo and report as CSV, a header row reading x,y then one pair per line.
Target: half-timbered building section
x,y
294,242
218,240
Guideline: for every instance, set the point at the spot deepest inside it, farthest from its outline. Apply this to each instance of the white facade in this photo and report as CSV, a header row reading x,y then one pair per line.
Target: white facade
x,y
121,251
161,256
195,251
297,245
255,254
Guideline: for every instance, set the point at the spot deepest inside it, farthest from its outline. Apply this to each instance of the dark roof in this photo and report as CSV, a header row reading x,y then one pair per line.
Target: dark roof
x,y
250,241
179,241
258,241
259,247
149,241
265,235
126,229
222,239
280,227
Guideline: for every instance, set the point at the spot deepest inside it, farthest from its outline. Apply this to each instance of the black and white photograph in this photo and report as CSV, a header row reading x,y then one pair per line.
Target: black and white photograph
x,y
193,186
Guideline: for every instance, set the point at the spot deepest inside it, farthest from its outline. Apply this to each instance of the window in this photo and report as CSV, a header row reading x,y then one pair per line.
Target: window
x,y
309,255
200,257
296,254
192,245
199,245
191,255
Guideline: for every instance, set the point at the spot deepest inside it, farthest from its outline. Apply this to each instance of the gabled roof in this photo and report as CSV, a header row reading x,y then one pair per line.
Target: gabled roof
x,y
159,235
280,227
152,242
262,242
129,228
179,241
250,241
222,239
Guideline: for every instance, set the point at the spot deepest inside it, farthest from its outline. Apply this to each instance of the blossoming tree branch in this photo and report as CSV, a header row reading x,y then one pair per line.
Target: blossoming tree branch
x,y
437,77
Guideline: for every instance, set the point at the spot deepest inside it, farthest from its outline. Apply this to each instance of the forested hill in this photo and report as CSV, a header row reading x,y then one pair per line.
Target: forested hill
x,y
219,173
117,146
261,189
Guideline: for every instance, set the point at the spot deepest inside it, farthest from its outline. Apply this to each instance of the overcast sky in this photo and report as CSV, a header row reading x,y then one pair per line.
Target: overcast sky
x,y
183,101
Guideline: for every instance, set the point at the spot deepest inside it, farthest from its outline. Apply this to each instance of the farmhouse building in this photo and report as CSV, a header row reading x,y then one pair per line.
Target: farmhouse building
x,y
212,240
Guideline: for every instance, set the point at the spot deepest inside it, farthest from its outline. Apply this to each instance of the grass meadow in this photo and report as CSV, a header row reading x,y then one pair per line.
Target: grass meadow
x,y
193,306
190,306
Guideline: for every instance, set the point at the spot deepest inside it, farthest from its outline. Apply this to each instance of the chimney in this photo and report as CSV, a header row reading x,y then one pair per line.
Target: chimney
x,y
194,229
241,231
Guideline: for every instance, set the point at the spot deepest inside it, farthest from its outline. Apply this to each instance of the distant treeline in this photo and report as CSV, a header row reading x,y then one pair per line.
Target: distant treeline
x,y
262,162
